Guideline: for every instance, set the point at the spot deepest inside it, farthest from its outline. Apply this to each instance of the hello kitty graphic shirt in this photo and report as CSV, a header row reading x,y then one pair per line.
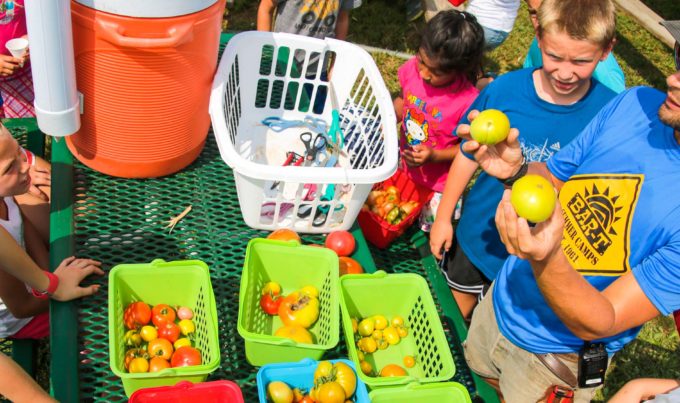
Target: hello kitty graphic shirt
x,y
430,116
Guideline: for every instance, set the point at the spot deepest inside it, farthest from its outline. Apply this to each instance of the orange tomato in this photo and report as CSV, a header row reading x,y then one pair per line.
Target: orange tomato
x,y
392,370
349,266
138,365
285,234
158,364
297,333
160,348
409,361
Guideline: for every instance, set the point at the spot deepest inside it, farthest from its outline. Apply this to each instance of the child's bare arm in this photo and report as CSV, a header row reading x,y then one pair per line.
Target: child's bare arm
x,y
342,25
399,108
18,299
441,233
35,246
265,15
643,389
17,386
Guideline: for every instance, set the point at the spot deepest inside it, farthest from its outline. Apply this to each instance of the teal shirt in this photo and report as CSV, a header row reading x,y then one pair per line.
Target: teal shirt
x,y
608,72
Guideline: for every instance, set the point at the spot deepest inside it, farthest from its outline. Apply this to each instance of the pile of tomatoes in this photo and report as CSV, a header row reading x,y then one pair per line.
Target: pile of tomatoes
x,y
298,310
333,383
377,333
159,337
341,242
388,205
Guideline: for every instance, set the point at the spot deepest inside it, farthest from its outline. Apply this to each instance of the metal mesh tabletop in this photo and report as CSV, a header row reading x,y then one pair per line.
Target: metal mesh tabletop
x,y
118,220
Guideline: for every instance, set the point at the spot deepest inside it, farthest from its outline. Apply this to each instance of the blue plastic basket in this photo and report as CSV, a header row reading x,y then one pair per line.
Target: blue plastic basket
x,y
301,375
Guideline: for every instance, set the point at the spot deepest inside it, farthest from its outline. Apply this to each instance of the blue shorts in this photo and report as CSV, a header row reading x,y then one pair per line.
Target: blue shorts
x,y
493,38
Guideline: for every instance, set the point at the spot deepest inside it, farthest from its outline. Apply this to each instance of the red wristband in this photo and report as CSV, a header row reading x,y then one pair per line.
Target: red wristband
x,y
51,288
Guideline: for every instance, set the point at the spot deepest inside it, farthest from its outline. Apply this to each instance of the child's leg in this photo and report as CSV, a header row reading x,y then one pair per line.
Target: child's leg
x,y
467,283
37,328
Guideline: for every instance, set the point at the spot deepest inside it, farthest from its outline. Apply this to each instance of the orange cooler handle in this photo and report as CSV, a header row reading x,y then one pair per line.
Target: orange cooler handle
x,y
174,36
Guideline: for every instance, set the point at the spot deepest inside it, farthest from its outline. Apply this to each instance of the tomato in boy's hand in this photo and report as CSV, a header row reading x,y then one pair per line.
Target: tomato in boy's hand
x,y
490,127
533,198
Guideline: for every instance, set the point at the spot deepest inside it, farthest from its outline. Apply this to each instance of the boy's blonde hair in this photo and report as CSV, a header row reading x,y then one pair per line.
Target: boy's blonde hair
x,y
590,20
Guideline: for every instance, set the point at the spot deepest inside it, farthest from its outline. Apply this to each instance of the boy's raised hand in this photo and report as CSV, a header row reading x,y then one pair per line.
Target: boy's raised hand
x,y
71,272
502,160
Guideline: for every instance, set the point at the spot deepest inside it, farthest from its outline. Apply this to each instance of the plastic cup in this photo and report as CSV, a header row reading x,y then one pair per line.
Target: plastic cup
x,y
17,47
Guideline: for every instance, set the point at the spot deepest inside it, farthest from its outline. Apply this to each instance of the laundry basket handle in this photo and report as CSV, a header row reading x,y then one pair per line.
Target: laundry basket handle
x,y
172,37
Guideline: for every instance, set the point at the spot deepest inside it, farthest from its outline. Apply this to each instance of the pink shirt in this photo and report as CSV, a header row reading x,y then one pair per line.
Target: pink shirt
x,y
431,115
12,23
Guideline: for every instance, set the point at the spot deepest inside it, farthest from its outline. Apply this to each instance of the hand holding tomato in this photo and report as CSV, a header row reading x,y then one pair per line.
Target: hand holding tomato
x,y
539,243
501,160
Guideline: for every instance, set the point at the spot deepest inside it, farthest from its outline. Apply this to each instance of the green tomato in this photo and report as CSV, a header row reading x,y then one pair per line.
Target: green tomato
x,y
533,198
490,127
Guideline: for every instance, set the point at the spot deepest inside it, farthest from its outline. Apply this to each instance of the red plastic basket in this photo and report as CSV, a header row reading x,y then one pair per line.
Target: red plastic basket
x,y
378,231
187,392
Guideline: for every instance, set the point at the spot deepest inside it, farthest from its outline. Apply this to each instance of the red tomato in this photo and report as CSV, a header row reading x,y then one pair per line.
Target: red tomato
x,y
342,242
270,303
169,331
348,265
160,348
185,356
162,313
136,315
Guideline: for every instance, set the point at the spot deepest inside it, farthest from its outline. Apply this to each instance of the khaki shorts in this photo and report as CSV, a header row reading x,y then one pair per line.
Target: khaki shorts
x,y
522,377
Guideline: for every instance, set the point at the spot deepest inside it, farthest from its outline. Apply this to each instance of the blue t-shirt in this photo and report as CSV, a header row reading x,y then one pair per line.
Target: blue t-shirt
x,y
543,128
622,214
608,72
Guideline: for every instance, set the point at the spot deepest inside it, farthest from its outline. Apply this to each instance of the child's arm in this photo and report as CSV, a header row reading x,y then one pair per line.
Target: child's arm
x,y
35,247
342,26
71,271
643,389
17,386
441,233
398,103
18,299
265,14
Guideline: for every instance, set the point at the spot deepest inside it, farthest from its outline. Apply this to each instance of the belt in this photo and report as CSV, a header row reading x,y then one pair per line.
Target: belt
x,y
558,368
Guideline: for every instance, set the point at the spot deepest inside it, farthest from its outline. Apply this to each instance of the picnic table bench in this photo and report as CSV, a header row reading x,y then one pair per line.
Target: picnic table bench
x,y
118,221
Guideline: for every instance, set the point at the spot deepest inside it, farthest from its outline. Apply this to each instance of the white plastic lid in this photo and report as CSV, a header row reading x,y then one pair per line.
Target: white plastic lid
x,y
148,8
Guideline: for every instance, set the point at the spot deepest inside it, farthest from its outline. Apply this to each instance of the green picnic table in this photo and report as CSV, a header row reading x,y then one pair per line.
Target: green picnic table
x,y
118,221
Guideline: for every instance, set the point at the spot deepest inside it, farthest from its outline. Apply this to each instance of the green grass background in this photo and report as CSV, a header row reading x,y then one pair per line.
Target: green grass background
x,y
644,60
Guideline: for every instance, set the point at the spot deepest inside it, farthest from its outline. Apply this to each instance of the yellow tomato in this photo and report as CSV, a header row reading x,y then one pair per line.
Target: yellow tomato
x,y
391,335
329,392
186,326
297,333
366,327
310,291
148,333
391,370
279,392
182,342
367,344
138,365
403,332
339,372
397,321
366,368
355,325
380,322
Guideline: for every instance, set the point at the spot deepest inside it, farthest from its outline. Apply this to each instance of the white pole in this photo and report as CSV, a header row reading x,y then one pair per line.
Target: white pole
x,y
50,41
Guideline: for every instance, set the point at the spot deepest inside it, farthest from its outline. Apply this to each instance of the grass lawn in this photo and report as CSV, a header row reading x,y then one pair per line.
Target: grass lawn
x,y
644,60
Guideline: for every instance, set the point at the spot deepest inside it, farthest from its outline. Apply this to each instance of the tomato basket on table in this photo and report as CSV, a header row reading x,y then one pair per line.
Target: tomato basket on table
x,y
162,285
381,231
301,376
293,267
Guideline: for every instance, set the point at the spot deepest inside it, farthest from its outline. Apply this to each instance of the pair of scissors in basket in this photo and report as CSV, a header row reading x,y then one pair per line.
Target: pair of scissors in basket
x,y
313,145
278,124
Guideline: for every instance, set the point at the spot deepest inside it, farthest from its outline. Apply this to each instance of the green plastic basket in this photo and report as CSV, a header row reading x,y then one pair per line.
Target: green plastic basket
x,y
184,283
406,295
445,392
293,266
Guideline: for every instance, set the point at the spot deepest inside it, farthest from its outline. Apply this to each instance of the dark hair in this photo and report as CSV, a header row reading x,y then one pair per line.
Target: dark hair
x,y
456,41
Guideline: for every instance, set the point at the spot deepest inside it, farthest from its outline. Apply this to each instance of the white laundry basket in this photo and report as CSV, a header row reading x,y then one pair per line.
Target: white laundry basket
x,y
274,75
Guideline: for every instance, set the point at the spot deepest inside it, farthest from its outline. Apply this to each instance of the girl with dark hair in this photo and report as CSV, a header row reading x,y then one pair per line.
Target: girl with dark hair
x,y
438,86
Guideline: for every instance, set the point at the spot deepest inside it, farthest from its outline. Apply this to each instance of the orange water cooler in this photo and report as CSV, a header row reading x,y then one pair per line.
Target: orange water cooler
x,y
144,69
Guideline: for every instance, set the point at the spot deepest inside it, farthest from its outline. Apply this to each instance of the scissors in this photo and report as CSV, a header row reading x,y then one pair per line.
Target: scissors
x,y
312,148
278,124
